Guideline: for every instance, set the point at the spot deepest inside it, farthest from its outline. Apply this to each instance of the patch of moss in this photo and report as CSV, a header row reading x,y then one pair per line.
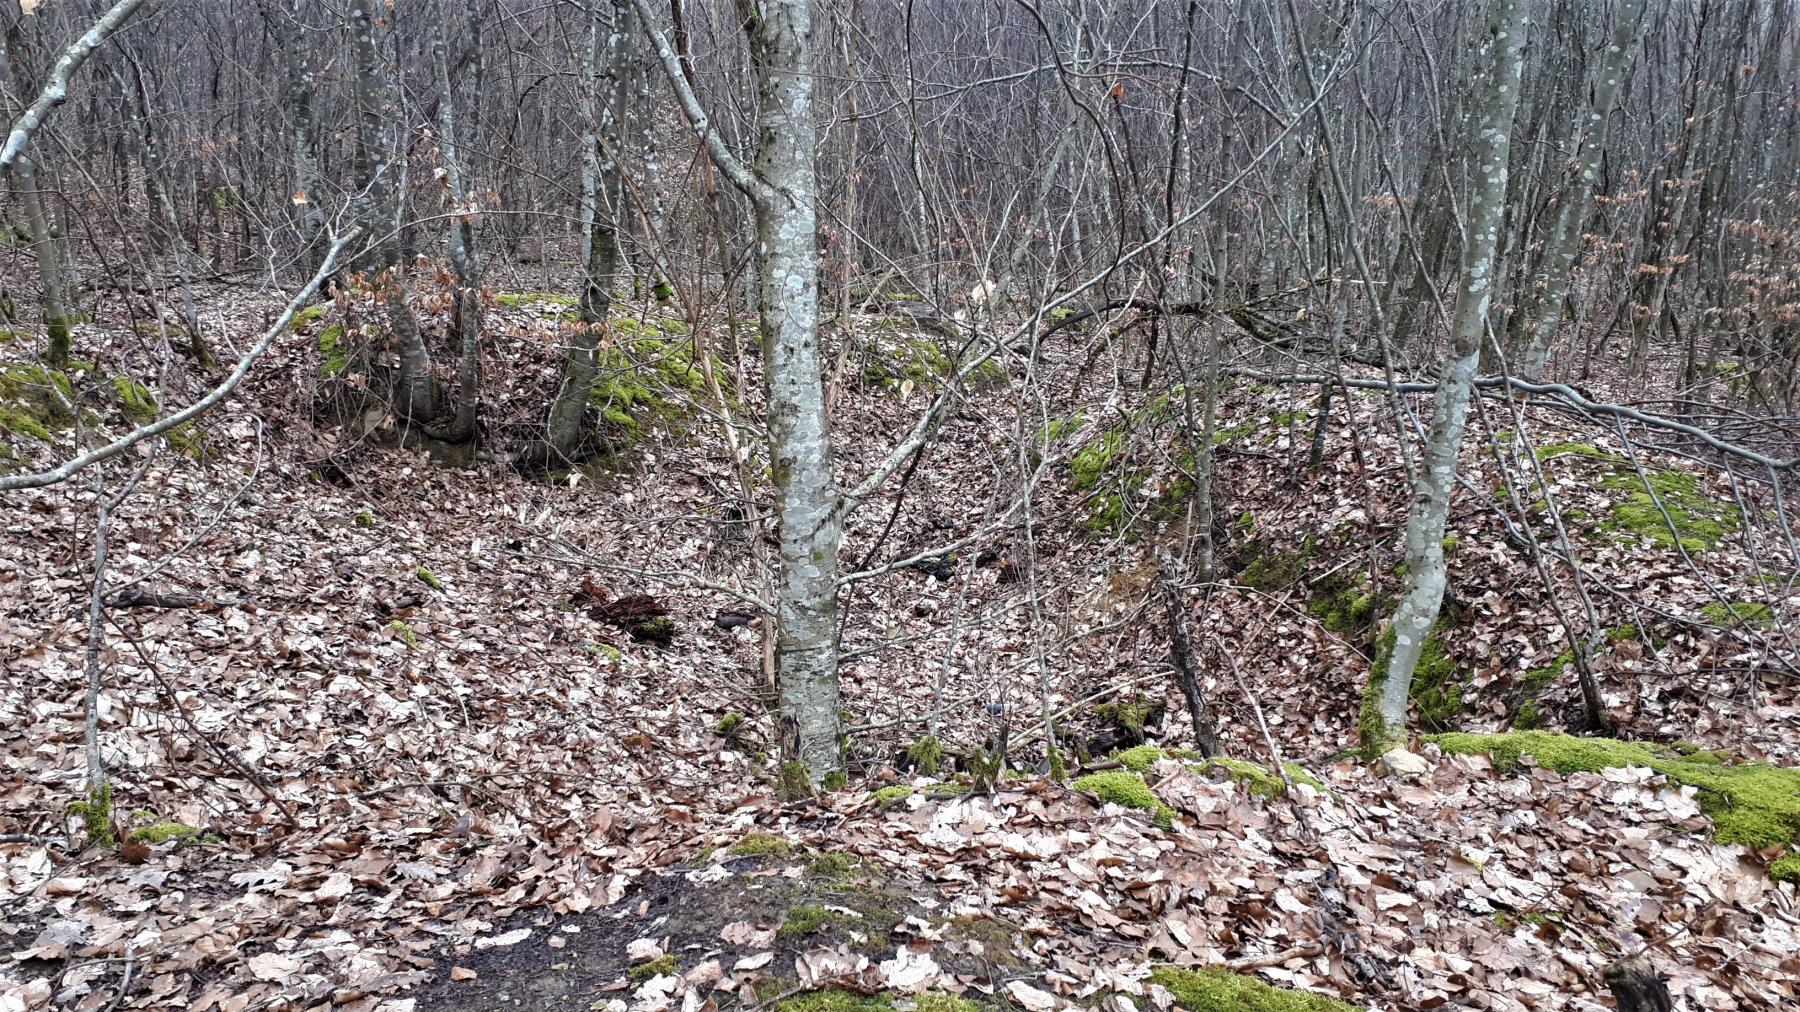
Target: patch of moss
x,y
1090,463
406,633
655,968
1347,608
308,315
1220,990
137,399
833,864
760,844
1061,428
1747,613
334,356
1271,570
429,578
1259,779
96,814
728,723
1750,803
1576,450
648,379
834,781
520,300
163,832
941,1001
804,919
1138,758
926,755
364,518
1787,868
1699,522
33,401
1127,789
1127,718
925,364
889,795
834,1000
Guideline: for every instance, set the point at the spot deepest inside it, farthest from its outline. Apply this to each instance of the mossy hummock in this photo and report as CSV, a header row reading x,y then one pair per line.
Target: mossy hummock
x,y
1220,990
1750,803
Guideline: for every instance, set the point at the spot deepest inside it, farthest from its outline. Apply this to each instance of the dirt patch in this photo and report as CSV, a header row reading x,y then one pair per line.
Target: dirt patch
x,y
729,909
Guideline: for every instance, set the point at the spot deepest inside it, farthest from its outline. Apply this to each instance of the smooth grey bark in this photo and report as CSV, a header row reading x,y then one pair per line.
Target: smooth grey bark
x,y
56,89
782,188
46,244
465,313
299,80
602,197
1496,101
415,394
1558,264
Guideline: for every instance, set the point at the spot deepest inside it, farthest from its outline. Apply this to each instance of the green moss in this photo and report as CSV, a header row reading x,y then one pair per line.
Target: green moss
x,y
834,1000
1127,789
429,578
137,399
406,633
655,968
1139,758
520,300
1271,570
728,723
364,518
1747,613
607,650
1751,803
1128,718
648,380
308,315
804,919
1347,608
1576,450
334,357
1061,428
834,781
761,844
1436,691
1700,523
1786,869
926,755
794,782
34,401
96,814
1090,463
921,361
163,832
1219,990
1258,778
939,1001
833,865
889,795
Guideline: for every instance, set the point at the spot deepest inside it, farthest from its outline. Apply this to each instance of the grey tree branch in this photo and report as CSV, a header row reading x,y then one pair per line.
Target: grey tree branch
x,y
56,90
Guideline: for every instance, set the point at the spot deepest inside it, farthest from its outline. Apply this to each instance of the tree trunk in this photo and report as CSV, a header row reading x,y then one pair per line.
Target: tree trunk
x,y
602,198
1384,707
1636,987
1552,287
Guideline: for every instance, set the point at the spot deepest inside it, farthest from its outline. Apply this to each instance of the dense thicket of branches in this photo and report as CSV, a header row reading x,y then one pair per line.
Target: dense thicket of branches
x,y
1289,188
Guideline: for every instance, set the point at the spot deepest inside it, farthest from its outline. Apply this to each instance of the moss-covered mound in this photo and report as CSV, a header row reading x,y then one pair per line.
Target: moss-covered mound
x,y
1217,990
1750,803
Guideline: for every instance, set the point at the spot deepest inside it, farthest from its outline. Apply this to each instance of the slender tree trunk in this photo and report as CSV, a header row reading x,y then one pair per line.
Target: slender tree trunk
x,y
602,197
465,313
414,390
1552,287
1384,708
45,243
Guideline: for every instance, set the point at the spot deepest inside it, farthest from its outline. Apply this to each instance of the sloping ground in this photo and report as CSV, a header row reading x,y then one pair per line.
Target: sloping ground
x,y
397,729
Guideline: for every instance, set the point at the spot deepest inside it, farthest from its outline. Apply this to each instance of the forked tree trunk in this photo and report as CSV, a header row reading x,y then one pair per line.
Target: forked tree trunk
x,y
1383,723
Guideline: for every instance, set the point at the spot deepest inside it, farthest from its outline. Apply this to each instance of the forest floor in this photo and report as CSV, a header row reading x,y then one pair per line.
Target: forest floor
x,y
420,772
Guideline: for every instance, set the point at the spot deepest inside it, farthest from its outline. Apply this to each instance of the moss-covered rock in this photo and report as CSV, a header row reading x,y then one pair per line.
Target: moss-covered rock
x,y
1220,990
1126,789
835,1000
35,402
926,755
1750,803
891,795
